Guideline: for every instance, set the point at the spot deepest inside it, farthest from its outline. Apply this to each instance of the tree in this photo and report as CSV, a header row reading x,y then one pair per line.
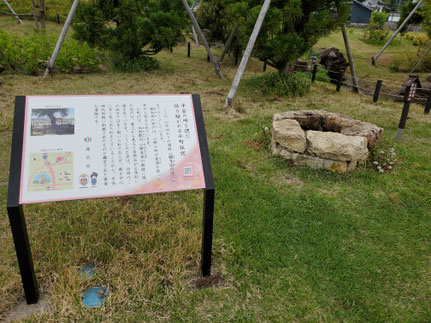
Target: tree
x,y
51,114
131,28
291,28
416,19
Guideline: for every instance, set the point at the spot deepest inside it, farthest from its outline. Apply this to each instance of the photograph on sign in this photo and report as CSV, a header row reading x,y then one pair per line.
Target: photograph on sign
x,y
79,147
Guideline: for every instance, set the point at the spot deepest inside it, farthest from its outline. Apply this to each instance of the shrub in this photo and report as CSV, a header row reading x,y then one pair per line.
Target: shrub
x,y
143,63
291,85
375,32
406,61
28,55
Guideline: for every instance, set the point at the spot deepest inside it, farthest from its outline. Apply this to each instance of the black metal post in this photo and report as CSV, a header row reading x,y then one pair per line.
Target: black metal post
x,y
339,80
404,115
377,90
23,253
171,49
208,212
208,58
264,66
428,104
14,209
188,49
313,76
207,233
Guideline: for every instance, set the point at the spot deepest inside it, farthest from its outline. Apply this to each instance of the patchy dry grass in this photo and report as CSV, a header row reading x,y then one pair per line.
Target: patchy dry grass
x,y
291,244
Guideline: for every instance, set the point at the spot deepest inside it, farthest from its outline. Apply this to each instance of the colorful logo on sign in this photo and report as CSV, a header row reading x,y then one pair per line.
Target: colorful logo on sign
x,y
87,139
83,179
93,178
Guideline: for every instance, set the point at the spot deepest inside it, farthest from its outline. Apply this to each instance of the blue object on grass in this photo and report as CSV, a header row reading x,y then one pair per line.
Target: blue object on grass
x,y
94,296
88,270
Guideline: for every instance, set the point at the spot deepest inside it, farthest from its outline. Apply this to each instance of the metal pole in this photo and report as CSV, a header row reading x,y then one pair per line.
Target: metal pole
x,y
377,90
339,80
375,58
247,53
313,76
188,49
60,41
13,11
201,35
350,56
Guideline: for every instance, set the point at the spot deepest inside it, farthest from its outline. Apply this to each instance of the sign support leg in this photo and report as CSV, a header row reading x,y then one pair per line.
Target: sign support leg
x,y
207,233
23,253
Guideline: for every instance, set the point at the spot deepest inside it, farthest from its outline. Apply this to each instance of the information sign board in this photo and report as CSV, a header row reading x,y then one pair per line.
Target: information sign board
x,y
78,147
94,146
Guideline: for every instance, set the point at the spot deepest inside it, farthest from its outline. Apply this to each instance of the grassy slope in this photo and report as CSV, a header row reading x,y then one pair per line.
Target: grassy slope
x,y
290,243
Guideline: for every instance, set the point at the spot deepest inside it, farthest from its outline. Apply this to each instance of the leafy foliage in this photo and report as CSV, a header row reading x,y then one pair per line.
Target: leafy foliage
x,y
292,27
416,19
291,85
131,29
28,55
375,33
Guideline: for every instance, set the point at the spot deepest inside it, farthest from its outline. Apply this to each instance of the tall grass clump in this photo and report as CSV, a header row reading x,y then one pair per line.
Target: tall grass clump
x,y
290,85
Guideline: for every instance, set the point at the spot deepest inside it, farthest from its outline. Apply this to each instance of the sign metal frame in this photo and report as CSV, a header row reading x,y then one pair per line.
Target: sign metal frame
x,y
16,212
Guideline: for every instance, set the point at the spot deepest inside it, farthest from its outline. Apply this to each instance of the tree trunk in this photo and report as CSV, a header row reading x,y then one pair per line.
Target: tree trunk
x,y
42,14
35,16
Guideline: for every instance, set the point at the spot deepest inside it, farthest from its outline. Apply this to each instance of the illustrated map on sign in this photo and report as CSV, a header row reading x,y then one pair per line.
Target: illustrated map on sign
x,y
51,172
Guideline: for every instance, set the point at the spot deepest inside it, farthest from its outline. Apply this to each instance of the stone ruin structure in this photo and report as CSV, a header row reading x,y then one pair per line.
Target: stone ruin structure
x,y
321,139
334,62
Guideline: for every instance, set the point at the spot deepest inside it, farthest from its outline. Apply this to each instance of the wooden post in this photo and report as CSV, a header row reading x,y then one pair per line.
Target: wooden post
x,y
428,104
60,41
13,11
377,90
228,43
375,58
195,36
408,96
313,76
350,56
201,35
421,59
247,53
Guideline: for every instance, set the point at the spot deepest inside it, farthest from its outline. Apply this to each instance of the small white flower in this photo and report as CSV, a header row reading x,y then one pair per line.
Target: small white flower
x,y
381,152
375,162
381,170
389,167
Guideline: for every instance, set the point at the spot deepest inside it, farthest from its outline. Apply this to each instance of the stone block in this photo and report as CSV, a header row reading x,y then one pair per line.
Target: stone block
x,y
289,134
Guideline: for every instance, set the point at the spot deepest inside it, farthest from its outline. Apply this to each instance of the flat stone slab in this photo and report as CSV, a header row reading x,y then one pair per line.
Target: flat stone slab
x,y
336,146
289,134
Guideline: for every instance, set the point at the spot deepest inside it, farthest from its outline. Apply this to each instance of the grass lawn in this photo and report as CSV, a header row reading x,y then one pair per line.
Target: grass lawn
x,y
290,243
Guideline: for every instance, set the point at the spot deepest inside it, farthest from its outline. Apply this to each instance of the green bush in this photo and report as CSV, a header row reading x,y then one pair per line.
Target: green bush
x,y
291,85
142,63
375,32
406,61
28,55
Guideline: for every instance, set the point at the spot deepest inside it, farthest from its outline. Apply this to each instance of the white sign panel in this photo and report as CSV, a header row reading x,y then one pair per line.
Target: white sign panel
x,y
92,146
